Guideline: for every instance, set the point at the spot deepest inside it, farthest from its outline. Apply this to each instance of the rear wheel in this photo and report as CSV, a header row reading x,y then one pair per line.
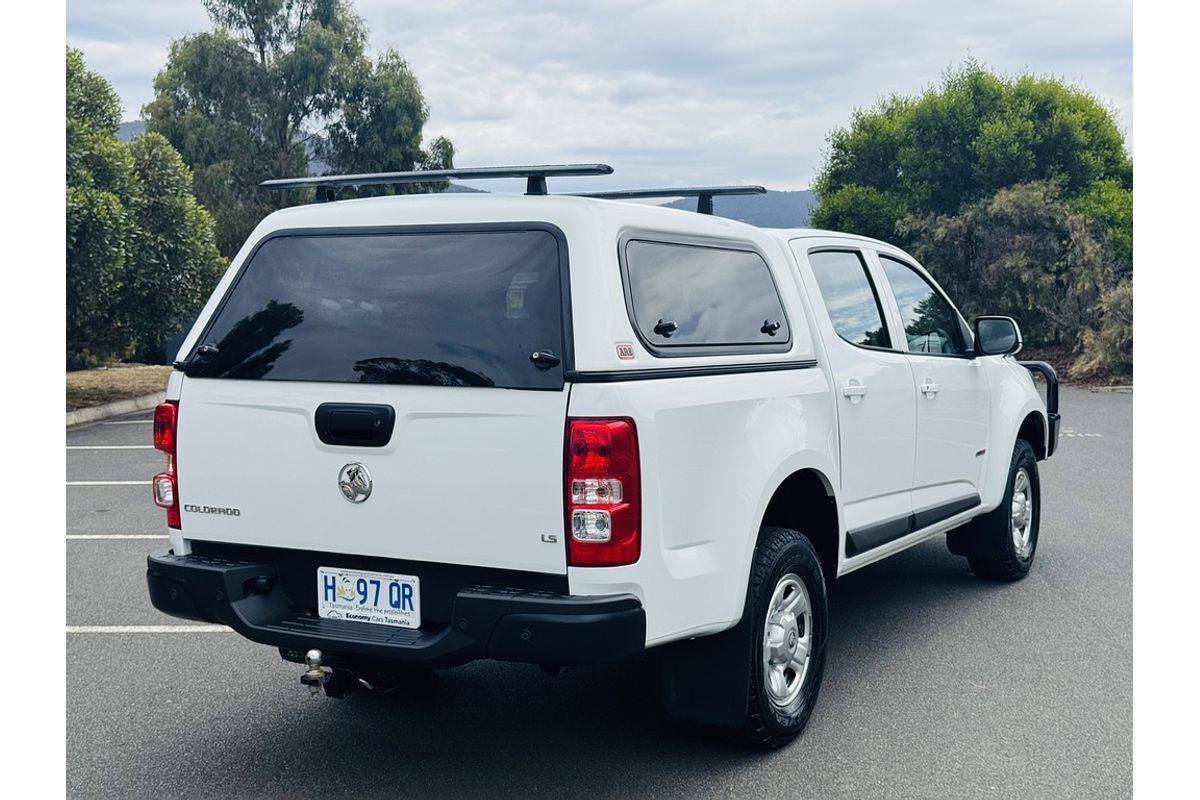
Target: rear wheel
x,y
787,599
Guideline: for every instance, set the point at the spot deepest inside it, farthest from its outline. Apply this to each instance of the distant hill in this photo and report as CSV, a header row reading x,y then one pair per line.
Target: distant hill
x,y
128,130
770,210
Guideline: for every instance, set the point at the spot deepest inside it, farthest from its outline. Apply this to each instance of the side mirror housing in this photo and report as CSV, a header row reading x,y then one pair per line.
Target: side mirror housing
x,y
997,336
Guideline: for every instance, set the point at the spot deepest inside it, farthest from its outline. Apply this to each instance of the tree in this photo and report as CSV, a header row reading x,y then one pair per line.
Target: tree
x,y
275,86
1023,252
1107,348
1016,193
174,264
382,115
978,133
99,183
140,250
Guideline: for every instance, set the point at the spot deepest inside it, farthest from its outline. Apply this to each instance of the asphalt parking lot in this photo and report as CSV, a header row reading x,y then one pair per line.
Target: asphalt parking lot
x,y
936,685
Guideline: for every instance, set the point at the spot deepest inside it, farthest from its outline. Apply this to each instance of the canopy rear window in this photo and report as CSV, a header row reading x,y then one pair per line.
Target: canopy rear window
x,y
428,308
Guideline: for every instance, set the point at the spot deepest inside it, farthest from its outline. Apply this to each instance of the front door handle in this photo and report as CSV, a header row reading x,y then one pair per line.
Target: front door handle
x,y
930,388
854,390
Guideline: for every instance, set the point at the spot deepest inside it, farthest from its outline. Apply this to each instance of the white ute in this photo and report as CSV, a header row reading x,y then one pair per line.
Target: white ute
x,y
411,431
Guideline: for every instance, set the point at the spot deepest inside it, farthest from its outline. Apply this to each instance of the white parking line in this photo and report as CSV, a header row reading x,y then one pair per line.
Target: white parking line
x,y
1070,432
110,447
149,629
117,536
108,483
130,422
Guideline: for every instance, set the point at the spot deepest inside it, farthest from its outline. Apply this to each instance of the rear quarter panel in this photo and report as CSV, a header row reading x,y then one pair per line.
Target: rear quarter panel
x,y
713,449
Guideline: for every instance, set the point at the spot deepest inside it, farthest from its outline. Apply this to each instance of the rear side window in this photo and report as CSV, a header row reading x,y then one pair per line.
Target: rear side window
x,y
432,309
850,297
691,296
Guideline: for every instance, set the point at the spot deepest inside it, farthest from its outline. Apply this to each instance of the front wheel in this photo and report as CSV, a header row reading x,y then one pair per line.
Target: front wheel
x,y
787,599
1001,544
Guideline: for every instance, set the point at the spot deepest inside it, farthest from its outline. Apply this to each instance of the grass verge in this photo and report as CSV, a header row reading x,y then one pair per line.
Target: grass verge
x,y
94,387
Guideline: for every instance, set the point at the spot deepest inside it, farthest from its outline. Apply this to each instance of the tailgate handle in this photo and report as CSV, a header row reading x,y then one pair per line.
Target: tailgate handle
x,y
355,424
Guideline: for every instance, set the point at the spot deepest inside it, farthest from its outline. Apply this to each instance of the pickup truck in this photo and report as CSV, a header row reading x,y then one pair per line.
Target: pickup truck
x,y
411,431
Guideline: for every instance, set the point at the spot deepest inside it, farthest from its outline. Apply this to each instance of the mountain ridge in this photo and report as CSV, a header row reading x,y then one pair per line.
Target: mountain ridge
x,y
780,209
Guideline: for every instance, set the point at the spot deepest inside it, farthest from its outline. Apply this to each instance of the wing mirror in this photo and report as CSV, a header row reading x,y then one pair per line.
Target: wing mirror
x,y
996,336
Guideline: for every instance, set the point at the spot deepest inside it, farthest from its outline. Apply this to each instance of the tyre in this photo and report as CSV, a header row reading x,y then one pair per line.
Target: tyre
x,y
789,618
1003,542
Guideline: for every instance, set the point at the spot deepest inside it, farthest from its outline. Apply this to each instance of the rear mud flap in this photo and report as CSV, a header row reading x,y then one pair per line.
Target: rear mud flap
x,y
968,540
708,679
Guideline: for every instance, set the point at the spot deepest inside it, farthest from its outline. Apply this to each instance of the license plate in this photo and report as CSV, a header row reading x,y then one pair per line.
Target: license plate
x,y
378,597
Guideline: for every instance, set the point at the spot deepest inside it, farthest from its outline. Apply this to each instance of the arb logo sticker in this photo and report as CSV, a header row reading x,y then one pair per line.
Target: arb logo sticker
x,y
624,351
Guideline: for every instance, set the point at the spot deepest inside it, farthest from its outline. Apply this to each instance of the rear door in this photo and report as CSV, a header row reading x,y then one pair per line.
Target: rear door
x,y
436,328
873,391
951,393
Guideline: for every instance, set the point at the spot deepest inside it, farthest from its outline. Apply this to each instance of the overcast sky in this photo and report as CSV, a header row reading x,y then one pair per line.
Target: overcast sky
x,y
671,92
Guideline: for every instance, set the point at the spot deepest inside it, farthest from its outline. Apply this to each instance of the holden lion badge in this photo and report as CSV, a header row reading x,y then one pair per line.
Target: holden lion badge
x,y
355,482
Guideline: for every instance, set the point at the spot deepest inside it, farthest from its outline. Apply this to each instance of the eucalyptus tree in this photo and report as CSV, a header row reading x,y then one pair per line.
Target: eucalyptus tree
x,y
279,88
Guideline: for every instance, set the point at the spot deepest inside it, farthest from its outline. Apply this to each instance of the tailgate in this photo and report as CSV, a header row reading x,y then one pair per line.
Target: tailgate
x,y
469,476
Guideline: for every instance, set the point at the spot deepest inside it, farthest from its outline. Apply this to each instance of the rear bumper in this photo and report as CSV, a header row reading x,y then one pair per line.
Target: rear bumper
x,y
537,627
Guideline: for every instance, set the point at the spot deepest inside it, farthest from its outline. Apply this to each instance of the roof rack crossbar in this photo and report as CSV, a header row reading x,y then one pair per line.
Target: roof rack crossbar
x,y
704,194
326,185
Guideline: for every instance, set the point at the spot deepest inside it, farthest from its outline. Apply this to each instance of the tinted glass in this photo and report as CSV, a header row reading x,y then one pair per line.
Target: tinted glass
x,y
850,298
930,323
690,295
440,309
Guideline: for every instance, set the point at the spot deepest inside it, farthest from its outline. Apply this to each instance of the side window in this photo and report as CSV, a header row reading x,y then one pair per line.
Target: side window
x,y
850,297
688,295
930,322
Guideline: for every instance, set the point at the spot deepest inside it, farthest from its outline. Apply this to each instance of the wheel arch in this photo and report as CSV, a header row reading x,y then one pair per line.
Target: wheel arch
x,y
808,475
805,501
1018,412
1033,430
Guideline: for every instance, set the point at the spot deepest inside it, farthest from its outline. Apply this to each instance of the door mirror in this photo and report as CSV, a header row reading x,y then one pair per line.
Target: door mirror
x,y
996,336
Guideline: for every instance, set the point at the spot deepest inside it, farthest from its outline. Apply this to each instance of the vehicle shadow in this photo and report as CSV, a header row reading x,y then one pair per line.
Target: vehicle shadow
x,y
490,729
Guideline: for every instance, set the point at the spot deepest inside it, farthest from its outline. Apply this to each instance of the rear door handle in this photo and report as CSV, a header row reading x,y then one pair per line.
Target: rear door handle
x,y
930,388
854,390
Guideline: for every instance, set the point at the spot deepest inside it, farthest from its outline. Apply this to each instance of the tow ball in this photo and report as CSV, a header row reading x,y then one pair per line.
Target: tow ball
x,y
317,675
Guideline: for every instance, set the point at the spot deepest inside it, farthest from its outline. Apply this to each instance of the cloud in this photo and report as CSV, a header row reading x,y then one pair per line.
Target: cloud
x,y
669,92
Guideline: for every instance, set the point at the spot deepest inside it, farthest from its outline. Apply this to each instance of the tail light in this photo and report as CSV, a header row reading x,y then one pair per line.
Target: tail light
x,y
165,483
603,492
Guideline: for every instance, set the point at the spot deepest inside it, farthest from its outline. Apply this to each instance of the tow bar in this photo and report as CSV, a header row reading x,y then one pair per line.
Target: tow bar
x,y
336,683
316,676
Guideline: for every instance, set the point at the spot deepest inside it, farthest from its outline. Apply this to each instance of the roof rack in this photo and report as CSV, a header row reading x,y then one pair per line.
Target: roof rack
x,y
704,194
326,185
